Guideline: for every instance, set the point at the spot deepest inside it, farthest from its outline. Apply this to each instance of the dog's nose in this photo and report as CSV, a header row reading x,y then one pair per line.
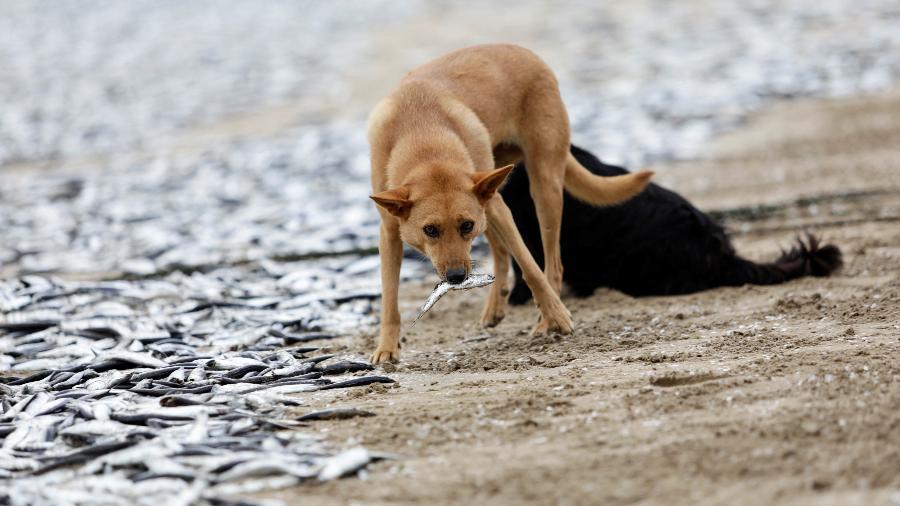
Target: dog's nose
x,y
456,276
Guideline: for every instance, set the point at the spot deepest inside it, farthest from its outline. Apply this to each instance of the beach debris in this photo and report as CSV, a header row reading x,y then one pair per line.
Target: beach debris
x,y
473,281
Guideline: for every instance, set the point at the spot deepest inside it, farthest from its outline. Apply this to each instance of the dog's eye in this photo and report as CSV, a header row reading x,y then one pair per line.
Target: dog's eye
x,y
466,227
431,231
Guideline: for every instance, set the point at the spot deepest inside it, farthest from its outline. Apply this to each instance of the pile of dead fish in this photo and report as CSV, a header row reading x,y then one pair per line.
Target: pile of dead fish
x,y
641,80
165,390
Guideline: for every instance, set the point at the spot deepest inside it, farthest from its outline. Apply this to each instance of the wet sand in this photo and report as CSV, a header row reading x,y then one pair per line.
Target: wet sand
x,y
754,395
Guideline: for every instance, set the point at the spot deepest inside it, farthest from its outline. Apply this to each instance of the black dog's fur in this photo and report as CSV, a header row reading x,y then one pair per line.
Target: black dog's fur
x,y
655,244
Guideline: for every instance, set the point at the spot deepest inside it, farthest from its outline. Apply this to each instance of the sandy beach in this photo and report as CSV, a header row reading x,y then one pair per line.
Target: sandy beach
x,y
197,174
754,395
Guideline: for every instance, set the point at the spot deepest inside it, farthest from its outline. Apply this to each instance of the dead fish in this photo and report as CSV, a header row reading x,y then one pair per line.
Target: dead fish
x,y
344,367
53,406
76,379
16,408
344,463
107,382
161,372
300,338
267,467
176,400
38,376
177,376
86,455
229,363
357,382
239,372
473,281
335,414
200,430
197,375
159,392
131,357
29,321
294,370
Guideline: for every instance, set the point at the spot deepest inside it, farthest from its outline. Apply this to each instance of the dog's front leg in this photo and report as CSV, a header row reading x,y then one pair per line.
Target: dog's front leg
x,y
390,249
554,315
495,306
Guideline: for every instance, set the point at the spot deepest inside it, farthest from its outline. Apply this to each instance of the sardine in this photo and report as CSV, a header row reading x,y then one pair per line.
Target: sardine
x,y
345,367
473,281
344,463
335,414
356,382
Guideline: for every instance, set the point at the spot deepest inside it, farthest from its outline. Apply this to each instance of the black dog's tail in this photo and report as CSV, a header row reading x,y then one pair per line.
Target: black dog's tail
x,y
805,258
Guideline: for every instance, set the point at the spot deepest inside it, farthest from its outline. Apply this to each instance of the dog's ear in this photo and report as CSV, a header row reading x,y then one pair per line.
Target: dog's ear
x,y
394,201
487,182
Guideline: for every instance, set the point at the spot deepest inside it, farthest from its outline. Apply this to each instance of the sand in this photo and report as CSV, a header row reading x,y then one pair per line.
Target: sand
x,y
753,395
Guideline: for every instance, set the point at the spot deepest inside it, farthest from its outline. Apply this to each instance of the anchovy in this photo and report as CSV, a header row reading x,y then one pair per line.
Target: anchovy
x,y
345,367
169,401
177,376
230,363
159,392
76,379
17,408
53,406
335,414
473,281
131,357
84,455
294,370
107,382
344,463
316,360
356,382
267,467
161,372
239,372
31,378
197,375
301,338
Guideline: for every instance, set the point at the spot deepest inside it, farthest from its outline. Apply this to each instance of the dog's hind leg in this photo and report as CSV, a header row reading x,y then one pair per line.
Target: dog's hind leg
x,y
554,315
495,306
390,248
544,137
546,151
547,194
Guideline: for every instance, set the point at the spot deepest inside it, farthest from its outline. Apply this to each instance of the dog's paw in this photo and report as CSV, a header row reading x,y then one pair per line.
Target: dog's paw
x,y
546,327
554,319
492,316
385,355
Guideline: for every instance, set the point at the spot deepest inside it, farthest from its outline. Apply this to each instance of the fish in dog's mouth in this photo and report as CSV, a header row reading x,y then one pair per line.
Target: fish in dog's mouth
x,y
472,281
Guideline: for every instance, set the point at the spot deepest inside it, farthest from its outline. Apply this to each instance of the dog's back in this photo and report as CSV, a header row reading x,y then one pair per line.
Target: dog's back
x,y
654,244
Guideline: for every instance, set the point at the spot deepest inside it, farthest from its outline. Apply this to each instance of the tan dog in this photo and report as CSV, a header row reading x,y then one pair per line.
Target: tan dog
x,y
435,144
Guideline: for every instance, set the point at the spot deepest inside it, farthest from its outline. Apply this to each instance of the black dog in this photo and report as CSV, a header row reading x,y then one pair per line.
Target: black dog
x,y
655,244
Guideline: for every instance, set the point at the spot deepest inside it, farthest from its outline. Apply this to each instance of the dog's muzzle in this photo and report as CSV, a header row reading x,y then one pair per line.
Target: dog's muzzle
x,y
456,276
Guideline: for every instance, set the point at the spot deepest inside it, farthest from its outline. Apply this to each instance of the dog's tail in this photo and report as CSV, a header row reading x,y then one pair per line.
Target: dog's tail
x,y
805,258
600,190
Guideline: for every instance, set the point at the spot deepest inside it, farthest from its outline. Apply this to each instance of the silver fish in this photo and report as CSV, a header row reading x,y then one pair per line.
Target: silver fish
x,y
344,463
197,375
334,414
266,467
131,357
473,281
